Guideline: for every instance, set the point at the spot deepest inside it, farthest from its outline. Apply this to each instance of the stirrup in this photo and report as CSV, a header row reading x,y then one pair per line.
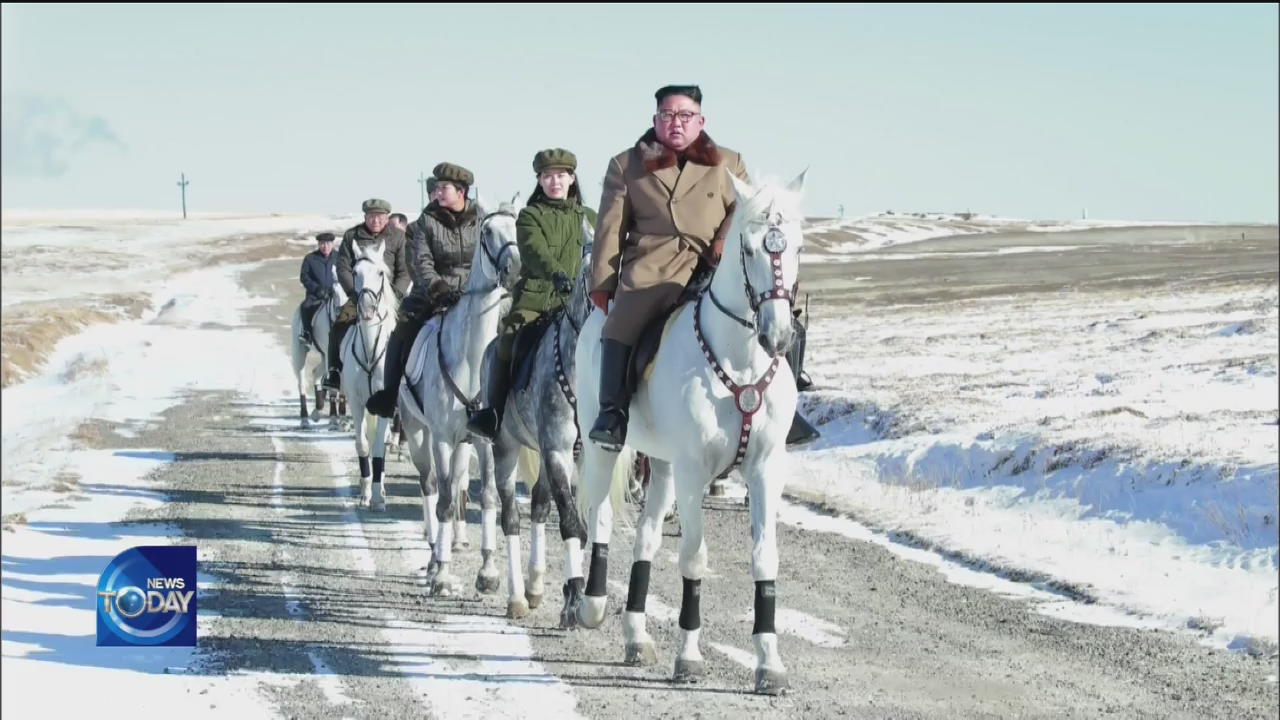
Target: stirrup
x,y
609,435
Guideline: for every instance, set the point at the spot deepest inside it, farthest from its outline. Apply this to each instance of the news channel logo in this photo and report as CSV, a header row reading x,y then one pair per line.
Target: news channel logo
x,y
147,597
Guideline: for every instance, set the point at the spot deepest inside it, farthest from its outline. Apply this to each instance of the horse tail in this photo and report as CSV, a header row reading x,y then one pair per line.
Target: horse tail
x,y
528,467
623,468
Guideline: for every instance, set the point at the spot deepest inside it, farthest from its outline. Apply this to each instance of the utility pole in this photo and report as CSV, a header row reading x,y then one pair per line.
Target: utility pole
x,y
422,189
183,183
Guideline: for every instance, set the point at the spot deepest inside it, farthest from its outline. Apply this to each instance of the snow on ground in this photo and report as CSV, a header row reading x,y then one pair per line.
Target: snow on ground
x,y
129,254
1064,464
62,538
838,240
1125,447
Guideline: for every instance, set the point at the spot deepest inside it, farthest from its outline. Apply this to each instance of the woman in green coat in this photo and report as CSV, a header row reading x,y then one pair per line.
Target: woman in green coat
x,y
549,235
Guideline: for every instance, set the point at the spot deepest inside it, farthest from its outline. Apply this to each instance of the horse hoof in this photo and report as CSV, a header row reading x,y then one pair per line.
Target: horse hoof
x,y
591,611
533,600
770,682
517,609
306,422
446,586
378,504
688,671
642,653
487,584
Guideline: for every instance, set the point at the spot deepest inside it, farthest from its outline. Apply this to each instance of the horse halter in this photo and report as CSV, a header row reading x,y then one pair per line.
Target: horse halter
x,y
495,261
749,398
376,294
775,243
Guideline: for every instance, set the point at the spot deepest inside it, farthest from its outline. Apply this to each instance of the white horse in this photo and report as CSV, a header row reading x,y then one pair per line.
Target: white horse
x,y
364,351
300,350
434,408
720,395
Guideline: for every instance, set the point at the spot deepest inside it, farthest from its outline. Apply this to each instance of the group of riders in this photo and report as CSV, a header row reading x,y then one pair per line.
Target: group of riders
x,y
662,221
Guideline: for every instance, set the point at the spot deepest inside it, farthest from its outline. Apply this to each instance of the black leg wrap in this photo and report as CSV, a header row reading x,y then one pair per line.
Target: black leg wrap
x,y
690,612
638,590
364,467
379,465
598,575
302,401
765,604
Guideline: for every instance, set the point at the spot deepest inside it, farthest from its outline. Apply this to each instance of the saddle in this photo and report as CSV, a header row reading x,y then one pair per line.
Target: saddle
x,y
651,337
417,355
524,349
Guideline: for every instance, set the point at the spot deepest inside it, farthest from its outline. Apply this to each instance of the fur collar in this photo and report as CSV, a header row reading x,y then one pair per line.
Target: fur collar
x,y
657,156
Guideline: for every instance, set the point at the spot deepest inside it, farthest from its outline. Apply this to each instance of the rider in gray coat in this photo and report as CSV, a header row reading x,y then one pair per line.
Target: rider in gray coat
x,y
440,245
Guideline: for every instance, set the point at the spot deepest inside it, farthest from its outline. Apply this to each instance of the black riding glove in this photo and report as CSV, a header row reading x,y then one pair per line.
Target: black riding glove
x,y
561,283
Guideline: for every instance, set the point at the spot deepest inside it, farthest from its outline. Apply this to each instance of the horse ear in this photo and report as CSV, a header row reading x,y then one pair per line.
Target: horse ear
x,y
743,190
516,202
797,185
379,252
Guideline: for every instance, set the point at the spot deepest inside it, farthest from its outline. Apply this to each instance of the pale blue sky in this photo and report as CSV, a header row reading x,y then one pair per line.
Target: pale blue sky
x,y
1134,112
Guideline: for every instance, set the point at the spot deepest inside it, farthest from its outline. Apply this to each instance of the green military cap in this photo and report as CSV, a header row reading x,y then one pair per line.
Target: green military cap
x,y
376,205
325,237
448,172
554,158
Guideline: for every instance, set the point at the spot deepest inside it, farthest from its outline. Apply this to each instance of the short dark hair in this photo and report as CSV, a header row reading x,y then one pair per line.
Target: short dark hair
x,y
693,92
401,216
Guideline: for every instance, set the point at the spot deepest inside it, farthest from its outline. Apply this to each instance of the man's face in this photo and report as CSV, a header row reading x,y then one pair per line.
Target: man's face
x,y
678,121
375,221
399,224
326,248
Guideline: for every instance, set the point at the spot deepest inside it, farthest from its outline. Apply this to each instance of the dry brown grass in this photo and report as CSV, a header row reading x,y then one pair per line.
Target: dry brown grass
x,y
29,332
10,523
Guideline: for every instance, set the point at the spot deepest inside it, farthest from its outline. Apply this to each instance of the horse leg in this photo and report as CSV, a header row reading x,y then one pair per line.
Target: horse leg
x,y
539,509
378,498
689,483
559,467
442,582
506,455
597,477
420,451
362,454
638,648
461,481
299,357
764,481
487,580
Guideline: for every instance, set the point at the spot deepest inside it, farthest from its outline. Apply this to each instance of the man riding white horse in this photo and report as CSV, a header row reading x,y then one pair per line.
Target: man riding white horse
x,y
666,205
316,276
440,244
375,229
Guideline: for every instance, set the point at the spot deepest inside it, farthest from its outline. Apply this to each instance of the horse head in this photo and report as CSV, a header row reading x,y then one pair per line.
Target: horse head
x,y
373,289
496,261
763,246
579,306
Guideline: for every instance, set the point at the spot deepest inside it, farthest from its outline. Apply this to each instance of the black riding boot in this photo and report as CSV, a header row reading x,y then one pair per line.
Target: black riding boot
x,y
334,380
801,431
383,402
610,428
487,421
